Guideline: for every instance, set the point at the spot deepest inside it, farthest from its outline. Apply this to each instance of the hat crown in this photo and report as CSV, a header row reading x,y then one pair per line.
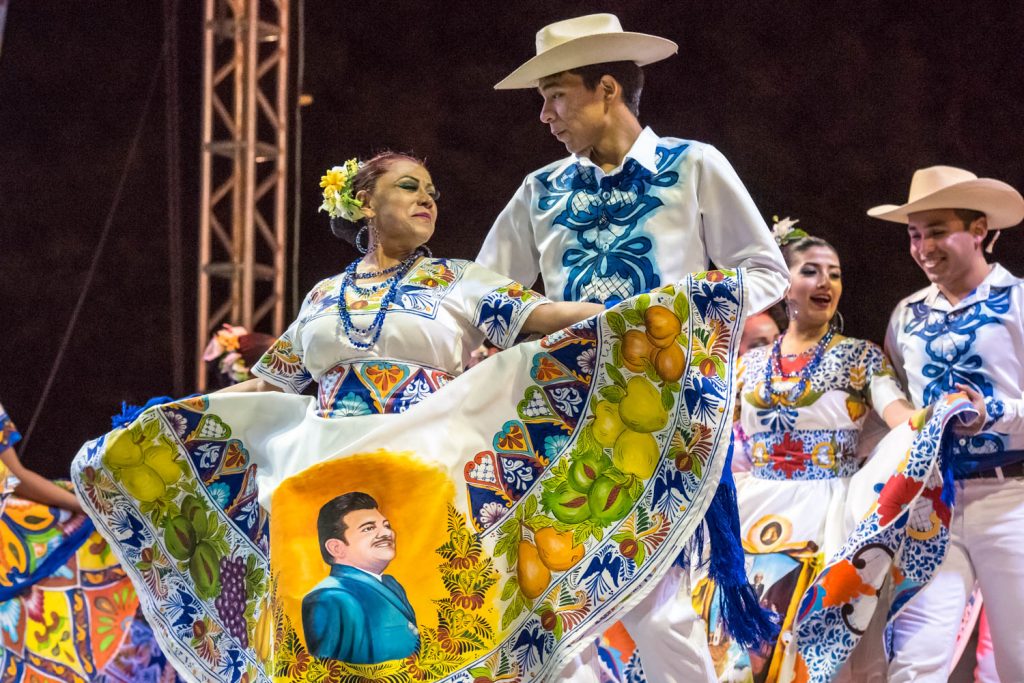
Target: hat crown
x,y
928,181
561,32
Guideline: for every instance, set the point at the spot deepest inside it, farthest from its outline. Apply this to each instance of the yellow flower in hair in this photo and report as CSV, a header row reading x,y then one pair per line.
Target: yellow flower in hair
x,y
337,192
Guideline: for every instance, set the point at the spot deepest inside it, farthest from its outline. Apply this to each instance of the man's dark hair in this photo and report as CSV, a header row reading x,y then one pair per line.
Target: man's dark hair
x,y
628,74
968,216
330,522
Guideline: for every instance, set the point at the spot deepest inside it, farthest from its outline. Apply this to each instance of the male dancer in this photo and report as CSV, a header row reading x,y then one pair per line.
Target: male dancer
x,y
626,212
965,331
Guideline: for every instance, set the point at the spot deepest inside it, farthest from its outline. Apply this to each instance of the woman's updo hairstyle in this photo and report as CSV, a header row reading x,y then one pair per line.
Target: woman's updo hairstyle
x,y
792,249
366,179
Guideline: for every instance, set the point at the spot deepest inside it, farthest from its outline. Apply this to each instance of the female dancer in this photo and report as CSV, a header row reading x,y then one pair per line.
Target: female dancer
x,y
423,315
802,404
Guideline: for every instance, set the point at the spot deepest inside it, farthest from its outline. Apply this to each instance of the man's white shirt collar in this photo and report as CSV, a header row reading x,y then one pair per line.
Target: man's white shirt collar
x,y
997,277
644,151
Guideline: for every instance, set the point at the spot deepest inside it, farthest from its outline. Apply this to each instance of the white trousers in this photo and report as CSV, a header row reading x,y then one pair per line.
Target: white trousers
x,y
987,545
670,637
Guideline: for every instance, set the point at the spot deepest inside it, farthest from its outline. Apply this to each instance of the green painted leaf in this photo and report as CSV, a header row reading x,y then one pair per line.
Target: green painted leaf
x,y
510,589
681,307
667,399
643,302
616,322
617,353
613,393
530,507
633,317
650,372
615,375
538,522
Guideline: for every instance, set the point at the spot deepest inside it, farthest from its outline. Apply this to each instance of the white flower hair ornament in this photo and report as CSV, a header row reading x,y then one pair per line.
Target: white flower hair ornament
x,y
337,191
784,232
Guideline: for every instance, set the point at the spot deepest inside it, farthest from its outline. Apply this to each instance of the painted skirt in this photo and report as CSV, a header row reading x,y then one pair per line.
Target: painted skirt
x,y
515,514
68,612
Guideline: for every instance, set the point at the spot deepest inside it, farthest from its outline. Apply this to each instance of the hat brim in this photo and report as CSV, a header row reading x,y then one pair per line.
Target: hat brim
x,y
1001,204
599,48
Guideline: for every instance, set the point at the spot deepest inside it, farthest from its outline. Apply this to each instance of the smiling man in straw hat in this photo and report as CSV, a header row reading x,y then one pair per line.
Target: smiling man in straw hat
x,y
966,331
625,212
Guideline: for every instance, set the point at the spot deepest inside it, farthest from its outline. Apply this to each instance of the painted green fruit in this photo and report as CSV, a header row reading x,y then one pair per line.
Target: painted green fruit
x,y
569,506
609,501
584,471
205,570
607,423
195,513
641,409
122,451
636,453
142,482
180,537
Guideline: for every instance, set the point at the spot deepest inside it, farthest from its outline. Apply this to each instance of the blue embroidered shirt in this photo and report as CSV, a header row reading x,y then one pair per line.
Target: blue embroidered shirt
x,y
671,208
979,341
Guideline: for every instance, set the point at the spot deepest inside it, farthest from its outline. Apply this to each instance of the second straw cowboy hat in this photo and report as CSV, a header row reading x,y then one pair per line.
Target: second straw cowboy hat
x,y
946,187
592,39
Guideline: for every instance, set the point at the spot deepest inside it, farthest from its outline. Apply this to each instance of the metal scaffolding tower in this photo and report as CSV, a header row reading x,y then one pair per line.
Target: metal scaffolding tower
x,y
243,212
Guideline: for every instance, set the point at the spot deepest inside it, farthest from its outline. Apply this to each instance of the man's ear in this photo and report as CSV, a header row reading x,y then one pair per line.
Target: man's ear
x,y
979,228
336,548
609,88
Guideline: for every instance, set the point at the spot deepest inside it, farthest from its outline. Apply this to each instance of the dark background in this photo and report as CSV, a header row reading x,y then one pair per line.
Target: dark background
x,y
823,112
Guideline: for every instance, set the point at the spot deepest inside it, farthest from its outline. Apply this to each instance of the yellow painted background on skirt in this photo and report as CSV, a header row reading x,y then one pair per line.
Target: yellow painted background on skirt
x,y
413,495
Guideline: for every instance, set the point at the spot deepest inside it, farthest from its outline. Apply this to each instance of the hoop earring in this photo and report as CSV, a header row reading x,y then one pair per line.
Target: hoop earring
x,y
837,323
790,309
362,231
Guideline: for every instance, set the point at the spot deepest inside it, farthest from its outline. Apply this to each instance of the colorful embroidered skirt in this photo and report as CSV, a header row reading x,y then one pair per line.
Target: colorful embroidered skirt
x,y
67,609
529,503
834,556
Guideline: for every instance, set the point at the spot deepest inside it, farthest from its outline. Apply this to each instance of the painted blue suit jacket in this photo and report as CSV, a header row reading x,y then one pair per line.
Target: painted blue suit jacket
x,y
352,617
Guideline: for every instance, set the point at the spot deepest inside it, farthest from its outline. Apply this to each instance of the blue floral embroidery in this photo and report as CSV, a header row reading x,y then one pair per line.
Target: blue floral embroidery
x,y
949,343
610,259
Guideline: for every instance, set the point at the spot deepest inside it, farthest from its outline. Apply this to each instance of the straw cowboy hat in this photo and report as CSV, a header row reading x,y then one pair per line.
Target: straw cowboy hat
x,y
593,39
945,187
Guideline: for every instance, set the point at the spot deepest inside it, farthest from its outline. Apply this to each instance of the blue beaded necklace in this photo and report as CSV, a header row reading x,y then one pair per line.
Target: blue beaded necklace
x,y
774,368
348,281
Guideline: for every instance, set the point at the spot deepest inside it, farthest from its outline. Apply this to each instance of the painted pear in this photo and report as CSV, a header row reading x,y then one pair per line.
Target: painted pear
x,y
533,576
641,409
636,348
670,362
122,451
163,459
636,453
556,549
607,423
662,325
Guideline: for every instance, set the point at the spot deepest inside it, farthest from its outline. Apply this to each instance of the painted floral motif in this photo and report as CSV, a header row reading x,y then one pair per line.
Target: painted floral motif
x,y
792,437
884,548
612,255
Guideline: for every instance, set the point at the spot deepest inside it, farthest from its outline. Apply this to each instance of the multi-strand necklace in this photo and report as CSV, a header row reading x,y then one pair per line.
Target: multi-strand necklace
x,y
366,337
773,368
